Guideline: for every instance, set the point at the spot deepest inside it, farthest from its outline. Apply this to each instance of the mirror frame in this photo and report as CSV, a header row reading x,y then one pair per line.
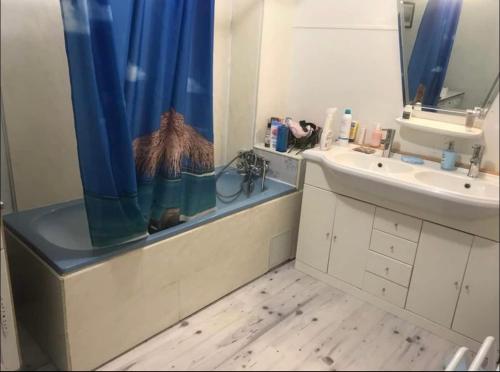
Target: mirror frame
x,y
485,106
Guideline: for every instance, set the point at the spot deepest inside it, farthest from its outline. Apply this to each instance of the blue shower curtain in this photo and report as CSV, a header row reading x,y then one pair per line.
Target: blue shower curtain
x,y
432,50
141,84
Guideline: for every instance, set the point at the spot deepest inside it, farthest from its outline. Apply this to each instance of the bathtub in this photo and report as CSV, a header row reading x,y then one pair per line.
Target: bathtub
x,y
59,233
85,306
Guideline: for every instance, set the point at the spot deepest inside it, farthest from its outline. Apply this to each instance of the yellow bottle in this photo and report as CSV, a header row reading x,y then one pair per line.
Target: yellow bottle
x,y
354,131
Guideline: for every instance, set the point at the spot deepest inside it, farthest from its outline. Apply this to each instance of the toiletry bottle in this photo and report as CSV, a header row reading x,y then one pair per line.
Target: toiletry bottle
x,y
354,131
345,127
267,138
360,138
407,112
282,141
326,139
376,137
449,158
275,123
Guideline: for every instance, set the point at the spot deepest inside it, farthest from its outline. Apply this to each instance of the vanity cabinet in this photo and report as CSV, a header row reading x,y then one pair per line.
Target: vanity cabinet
x,y
477,309
316,224
440,263
436,276
351,237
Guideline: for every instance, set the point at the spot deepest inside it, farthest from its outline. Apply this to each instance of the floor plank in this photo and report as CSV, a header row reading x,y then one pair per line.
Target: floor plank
x,y
286,320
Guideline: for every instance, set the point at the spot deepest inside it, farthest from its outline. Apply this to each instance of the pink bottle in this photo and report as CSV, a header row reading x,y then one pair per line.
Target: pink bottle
x,y
376,137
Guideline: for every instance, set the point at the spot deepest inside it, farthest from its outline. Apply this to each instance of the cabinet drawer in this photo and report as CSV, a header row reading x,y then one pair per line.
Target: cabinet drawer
x,y
394,247
389,291
388,268
398,224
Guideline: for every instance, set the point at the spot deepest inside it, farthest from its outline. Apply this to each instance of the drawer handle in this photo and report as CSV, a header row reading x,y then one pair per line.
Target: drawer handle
x,y
327,235
387,271
392,249
456,285
396,225
335,238
467,288
383,291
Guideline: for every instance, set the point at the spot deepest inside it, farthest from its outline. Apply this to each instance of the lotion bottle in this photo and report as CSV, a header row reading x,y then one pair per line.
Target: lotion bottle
x,y
345,127
376,136
326,139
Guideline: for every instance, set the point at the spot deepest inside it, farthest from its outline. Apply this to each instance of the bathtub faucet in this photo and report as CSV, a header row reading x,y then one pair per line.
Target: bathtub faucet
x,y
252,167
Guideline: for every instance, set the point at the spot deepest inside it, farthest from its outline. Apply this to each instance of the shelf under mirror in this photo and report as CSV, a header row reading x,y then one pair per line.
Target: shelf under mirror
x,y
441,127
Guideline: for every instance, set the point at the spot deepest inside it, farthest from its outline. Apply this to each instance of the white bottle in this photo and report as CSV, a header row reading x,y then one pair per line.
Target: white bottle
x,y
345,127
327,133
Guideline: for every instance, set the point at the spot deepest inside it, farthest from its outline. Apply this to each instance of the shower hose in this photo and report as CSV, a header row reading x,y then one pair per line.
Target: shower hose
x,y
231,197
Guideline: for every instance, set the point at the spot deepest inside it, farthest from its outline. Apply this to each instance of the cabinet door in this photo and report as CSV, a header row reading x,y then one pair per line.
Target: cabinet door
x,y
438,272
477,310
351,238
316,223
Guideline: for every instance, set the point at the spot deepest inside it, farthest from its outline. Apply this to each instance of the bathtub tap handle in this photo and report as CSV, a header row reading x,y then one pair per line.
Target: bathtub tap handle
x,y
265,168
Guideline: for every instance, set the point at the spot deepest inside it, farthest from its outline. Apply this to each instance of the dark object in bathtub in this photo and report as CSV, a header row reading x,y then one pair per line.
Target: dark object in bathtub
x,y
169,218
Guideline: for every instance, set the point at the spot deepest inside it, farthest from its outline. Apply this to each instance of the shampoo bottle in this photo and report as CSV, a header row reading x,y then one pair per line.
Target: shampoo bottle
x,y
345,127
275,123
282,141
449,158
326,139
354,131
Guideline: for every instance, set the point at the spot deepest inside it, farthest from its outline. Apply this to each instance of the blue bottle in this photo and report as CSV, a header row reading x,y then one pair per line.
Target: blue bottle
x,y
449,158
282,141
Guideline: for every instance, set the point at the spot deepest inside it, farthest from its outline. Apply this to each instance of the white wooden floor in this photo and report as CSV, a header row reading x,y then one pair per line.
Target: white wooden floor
x,y
287,320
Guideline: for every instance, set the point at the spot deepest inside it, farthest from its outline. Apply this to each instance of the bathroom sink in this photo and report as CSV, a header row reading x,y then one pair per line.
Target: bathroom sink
x,y
369,163
462,185
419,186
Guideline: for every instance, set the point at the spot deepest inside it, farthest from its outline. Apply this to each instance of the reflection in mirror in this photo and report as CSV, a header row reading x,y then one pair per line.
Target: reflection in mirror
x,y
449,52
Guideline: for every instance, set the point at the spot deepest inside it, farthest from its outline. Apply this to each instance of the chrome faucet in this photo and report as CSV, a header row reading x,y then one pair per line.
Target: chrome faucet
x,y
475,161
388,142
252,166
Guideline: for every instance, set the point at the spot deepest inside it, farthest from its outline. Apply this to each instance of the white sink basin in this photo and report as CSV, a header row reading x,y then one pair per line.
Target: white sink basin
x,y
371,163
421,186
462,185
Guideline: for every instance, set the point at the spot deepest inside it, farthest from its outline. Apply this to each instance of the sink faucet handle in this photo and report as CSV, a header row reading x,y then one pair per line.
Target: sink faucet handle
x,y
477,151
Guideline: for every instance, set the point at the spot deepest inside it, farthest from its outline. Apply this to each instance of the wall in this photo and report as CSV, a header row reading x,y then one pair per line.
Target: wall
x,y
275,58
222,74
5,190
36,98
37,101
245,57
344,57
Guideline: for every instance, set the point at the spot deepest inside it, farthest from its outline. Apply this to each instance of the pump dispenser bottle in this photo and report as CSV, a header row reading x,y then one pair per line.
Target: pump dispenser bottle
x,y
449,158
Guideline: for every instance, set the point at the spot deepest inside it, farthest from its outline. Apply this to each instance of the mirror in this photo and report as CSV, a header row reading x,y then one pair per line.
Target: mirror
x,y
449,52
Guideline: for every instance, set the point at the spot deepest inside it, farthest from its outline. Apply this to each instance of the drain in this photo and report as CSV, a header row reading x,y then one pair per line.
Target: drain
x,y
467,185
380,165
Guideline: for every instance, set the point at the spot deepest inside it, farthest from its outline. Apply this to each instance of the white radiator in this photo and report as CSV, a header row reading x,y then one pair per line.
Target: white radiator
x,y
485,359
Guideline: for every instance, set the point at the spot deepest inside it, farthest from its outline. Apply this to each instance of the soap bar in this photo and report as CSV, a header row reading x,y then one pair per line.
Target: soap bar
x,y
364,150
412,159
